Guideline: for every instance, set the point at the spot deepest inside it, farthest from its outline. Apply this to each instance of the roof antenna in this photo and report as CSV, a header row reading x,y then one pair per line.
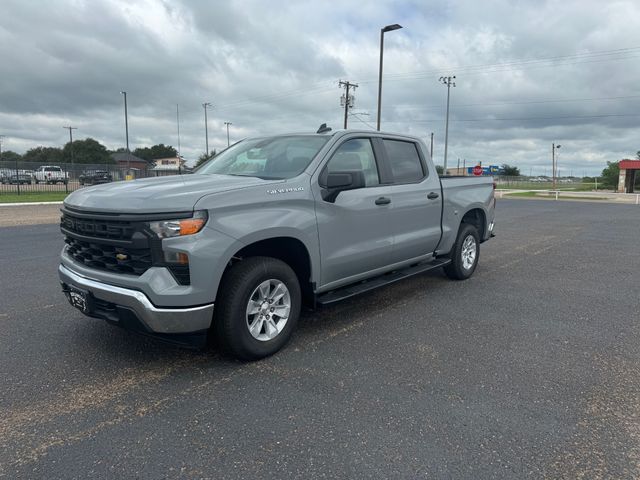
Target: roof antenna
x,y
323,128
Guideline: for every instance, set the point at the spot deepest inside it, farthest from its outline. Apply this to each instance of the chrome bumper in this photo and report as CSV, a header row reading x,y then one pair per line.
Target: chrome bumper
x,y
155,319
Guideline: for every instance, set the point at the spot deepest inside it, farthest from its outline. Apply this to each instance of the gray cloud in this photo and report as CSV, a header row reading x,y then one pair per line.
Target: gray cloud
x,y
274,66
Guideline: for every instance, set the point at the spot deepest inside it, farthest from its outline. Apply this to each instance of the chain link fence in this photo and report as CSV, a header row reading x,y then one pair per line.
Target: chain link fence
x,y
17,177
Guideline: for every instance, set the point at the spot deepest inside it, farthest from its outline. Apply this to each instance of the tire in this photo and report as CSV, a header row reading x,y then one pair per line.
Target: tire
x,y
249,285
37,182
465,253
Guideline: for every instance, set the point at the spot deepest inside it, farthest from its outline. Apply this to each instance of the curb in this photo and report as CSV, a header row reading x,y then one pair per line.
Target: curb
x,y
26,204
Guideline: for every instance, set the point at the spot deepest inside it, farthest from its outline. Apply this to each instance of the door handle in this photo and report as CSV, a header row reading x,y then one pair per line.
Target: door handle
x,y
433,195
383,201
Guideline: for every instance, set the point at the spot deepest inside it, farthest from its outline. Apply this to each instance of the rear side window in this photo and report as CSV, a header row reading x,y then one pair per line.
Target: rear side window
x,y
404,161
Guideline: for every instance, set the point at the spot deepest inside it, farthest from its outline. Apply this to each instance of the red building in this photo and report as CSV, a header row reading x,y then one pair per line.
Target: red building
x,y
627,179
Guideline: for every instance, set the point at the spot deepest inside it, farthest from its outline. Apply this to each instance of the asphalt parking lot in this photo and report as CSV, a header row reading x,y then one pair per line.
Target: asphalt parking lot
x,y
530,369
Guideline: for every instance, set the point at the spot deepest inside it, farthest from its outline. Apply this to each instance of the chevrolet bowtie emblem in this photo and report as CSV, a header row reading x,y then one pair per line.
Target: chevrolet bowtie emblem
x,y
121,256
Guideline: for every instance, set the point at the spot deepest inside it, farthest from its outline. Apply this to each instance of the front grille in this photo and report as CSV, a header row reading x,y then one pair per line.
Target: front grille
x,y
102,256
115,244
97,227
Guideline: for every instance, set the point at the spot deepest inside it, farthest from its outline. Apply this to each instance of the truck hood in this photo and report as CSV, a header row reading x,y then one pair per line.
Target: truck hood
x,y
175,193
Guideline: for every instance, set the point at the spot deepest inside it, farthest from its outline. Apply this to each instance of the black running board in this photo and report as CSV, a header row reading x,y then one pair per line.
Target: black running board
x,y
380,281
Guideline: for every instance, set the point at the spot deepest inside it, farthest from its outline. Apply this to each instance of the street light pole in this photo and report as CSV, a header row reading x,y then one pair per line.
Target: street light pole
x,y
206,127
448,81
431,151
553,163
126,131
383,30
227,124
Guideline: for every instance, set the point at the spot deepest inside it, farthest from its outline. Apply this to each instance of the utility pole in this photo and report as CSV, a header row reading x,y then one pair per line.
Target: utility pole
x,y
227,124
347,100
449,82
431,147
206,127
1,138
71,144
126,130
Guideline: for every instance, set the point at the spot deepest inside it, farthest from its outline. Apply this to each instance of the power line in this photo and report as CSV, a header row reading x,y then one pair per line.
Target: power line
x,y
606,115
470,69
480,68
372,127
407,106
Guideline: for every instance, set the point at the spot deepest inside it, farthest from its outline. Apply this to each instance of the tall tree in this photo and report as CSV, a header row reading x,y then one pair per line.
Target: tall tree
x,y
610,174
10,156
203,158
51,155
155,152
510,171
87,151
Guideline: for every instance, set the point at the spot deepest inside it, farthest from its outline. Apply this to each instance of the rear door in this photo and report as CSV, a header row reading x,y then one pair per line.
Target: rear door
x,y
354,230
415,199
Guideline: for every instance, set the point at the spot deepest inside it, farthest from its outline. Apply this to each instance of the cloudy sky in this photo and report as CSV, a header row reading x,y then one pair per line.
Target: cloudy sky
x,y
529,73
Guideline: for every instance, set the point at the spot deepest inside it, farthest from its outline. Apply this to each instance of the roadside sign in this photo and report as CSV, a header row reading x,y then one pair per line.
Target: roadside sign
x,y
479,170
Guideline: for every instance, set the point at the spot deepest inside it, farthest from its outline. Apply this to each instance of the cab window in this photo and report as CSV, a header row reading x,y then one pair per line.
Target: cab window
x,y
404,161
356,155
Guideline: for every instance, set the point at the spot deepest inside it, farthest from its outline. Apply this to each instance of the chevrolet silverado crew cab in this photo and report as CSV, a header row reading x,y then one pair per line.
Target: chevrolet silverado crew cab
x,y
233,251
50,174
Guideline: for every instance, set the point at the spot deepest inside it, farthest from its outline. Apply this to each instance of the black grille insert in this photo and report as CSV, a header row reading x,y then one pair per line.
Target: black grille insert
x,y
118,259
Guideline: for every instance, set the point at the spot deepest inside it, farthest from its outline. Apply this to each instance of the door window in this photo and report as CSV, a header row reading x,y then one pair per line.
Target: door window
x,y
356,155
404,161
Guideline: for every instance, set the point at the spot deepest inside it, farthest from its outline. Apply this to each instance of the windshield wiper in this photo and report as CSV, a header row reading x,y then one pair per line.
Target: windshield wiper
x,y
261,177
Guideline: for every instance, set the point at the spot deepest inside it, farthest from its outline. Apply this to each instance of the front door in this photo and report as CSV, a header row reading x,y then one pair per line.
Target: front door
x,y
355,230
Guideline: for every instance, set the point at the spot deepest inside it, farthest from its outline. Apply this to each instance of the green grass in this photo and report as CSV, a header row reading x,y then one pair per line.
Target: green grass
x,y
32,197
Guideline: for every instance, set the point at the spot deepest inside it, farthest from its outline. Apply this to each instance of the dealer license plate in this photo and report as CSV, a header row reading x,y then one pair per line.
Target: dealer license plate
x,y
79,298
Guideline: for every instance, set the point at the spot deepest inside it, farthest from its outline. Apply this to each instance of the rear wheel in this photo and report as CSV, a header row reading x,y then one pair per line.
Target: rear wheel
x,y
257,308
465,253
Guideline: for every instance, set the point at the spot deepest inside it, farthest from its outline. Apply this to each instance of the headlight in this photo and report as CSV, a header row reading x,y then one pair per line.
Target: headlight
x,y
180,226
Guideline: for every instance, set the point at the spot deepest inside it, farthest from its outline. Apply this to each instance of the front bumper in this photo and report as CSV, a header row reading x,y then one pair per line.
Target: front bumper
x,y
132,309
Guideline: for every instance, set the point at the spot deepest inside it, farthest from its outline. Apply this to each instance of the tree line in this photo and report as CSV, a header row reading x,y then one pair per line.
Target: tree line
x,y
87,151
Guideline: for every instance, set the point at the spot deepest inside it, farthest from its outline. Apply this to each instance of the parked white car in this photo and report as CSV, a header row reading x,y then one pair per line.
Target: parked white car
x,y
50,174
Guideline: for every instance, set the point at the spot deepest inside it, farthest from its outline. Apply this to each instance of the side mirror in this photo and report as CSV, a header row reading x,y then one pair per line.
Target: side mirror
x,y
336,182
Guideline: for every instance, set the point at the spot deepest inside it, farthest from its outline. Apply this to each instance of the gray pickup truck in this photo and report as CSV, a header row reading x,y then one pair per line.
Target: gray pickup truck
x,y
232,252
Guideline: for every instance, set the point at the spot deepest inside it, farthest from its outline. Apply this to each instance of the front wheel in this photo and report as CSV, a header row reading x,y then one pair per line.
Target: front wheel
x,y
257,307
465,253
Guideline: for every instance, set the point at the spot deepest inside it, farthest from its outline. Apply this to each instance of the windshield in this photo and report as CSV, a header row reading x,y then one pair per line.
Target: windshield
x,y
268,158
